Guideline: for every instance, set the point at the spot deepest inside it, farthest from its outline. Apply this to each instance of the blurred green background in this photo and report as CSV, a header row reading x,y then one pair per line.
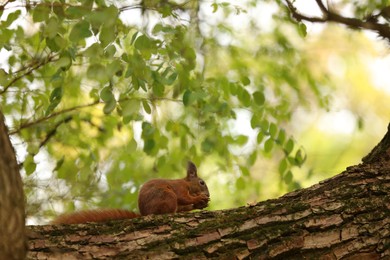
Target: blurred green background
x,y
102,96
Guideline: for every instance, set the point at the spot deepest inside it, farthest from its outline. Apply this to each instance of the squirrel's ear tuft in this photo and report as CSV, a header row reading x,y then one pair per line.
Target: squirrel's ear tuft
x,y
191,169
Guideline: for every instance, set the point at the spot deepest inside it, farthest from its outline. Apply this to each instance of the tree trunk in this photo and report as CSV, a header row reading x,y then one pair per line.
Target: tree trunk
x,y
344,217
13,244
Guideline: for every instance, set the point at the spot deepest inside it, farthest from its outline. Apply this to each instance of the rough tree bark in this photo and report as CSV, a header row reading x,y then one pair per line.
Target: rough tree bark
x,y
13,244
345,217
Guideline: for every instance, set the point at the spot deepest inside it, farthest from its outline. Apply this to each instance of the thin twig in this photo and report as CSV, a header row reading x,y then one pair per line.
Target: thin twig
x,y
54,130
55,114
322,7
28,72
67,110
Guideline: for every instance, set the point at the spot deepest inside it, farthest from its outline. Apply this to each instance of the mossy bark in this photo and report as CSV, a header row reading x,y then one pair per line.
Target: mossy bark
x,y
344,217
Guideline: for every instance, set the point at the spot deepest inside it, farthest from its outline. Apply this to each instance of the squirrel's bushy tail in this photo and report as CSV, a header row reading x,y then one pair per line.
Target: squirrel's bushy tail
x,y
99,215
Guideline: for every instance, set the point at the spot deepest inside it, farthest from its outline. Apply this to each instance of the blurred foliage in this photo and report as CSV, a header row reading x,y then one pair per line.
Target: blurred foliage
x,y
101,96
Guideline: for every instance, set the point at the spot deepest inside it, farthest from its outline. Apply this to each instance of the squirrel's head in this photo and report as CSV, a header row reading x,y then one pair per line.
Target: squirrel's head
x,y
197,185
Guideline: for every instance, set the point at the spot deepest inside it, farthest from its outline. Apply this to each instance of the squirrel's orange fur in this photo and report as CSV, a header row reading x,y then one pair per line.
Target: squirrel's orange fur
x,y
158,196
98,215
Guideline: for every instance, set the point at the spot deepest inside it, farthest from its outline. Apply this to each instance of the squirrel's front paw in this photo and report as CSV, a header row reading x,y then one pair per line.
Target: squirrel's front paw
x,y
203,202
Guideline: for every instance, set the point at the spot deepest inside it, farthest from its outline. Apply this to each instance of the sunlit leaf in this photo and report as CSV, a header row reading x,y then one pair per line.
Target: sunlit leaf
x,y
29,164
259,98
97,72
187,97
268,145
41,12
289,146
302,30
282,166
109,106
288,177
80,31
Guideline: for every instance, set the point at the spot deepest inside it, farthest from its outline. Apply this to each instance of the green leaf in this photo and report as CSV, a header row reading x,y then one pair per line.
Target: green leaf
x,y
215,7
106,94
187,100
64,62
207,145
109,106
146,107
94,94
147,130
106,16
288,177
94,51
134,37
3,77
158,89
110,51
282,166
252,158
57,43
244,170
52,27
260,137
255,120
41,12
11,18
143,42
289,146
114,68
241,140
299,158
281,137
268,145
244,97
149,145
245,81
171,79
29,164
130,107
97,72
76,12
259,98
55,98
302,30
59,163
273,129
145,45
80,31
56,94
107,35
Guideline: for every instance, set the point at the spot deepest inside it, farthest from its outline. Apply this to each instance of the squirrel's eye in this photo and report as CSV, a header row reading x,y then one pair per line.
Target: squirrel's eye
x,y
201,182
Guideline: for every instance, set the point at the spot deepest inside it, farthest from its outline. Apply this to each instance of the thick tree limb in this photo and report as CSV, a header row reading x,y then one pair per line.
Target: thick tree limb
x,y
347,216
381,152
383,30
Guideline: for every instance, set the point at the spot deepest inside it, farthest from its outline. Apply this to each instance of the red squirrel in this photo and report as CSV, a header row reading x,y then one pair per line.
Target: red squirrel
x,y
157,196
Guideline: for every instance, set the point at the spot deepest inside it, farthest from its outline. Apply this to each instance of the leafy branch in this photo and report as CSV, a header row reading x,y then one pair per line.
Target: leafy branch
x,y
75,108
371,23
28,71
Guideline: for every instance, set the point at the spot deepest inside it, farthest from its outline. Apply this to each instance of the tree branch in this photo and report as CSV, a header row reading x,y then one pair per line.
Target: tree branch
x,y
382,29
322,7
28,72
55,114
345,217
54,130
71,109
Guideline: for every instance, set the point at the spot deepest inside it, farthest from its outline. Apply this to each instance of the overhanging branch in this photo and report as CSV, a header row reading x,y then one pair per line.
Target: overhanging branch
x,y
383,30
